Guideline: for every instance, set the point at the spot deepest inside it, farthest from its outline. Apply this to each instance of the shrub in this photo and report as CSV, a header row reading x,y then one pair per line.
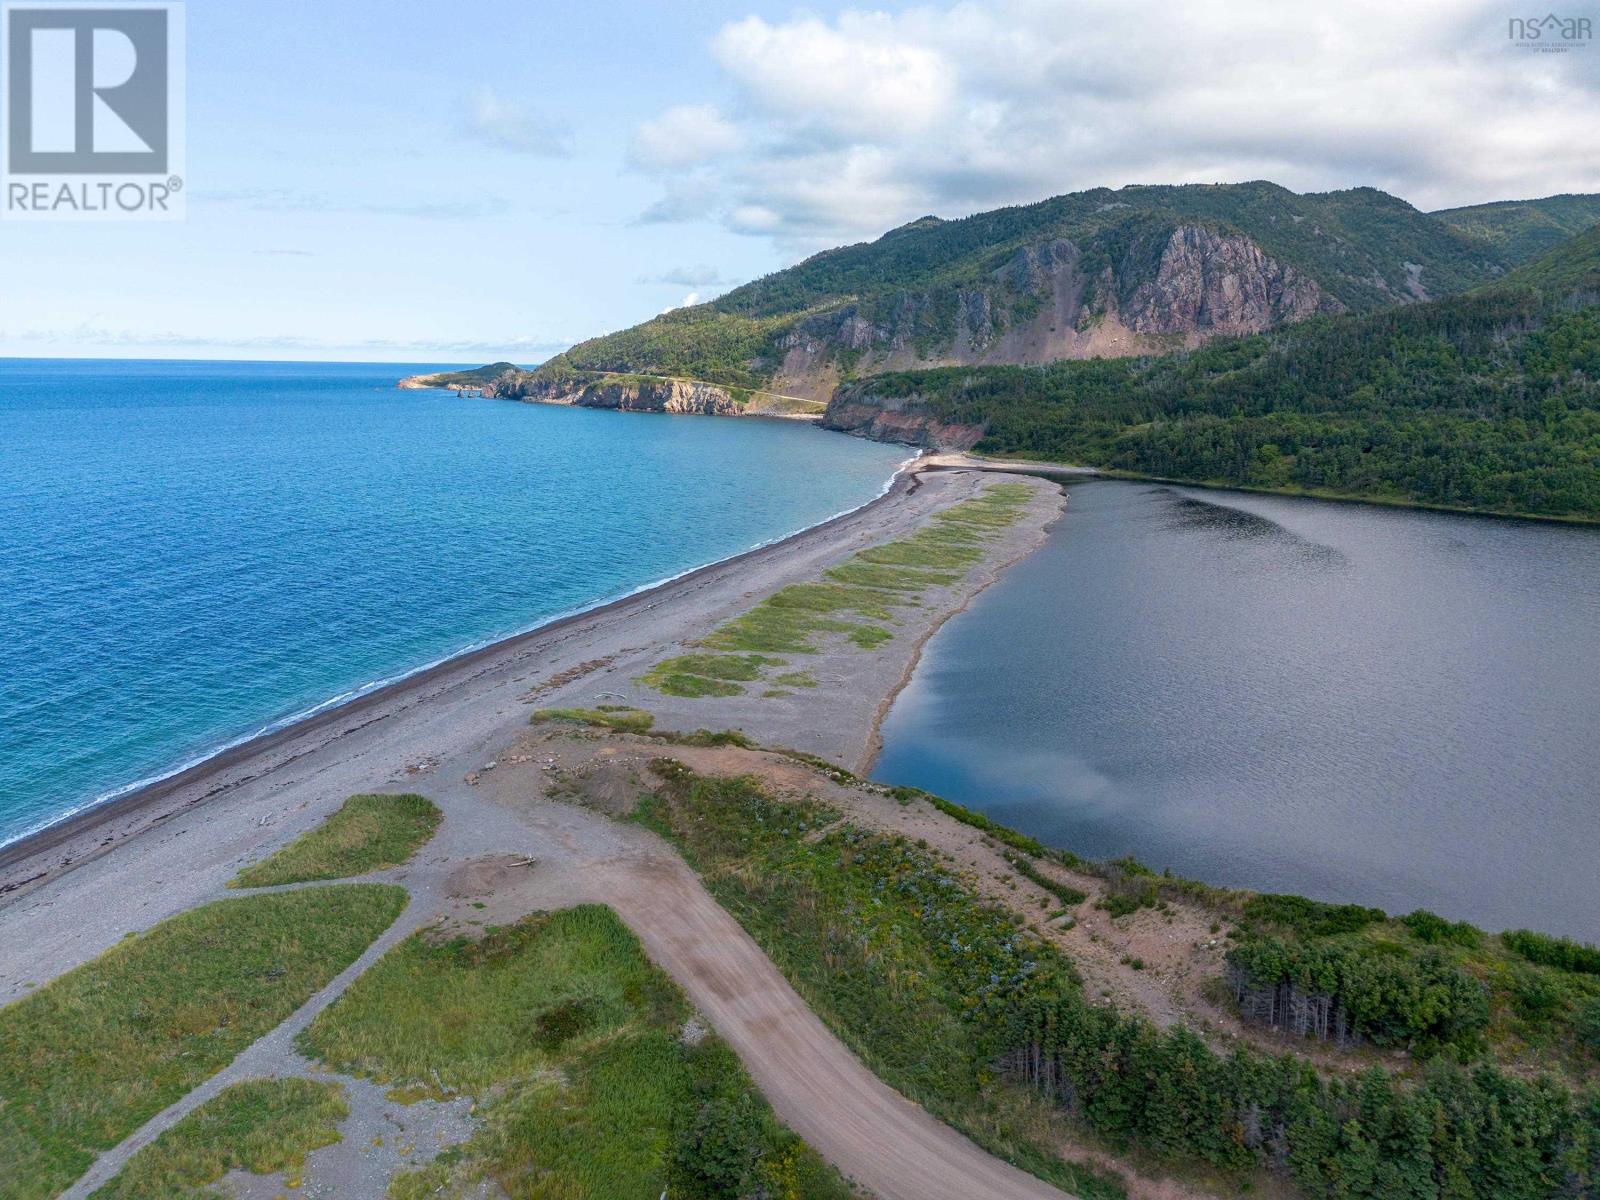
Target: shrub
x,y
1310,918
1588,1023
1562,953
715,1154
1436,931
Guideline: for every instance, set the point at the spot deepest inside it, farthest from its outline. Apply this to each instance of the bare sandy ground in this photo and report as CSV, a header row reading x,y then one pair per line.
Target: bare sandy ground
x,y
504,844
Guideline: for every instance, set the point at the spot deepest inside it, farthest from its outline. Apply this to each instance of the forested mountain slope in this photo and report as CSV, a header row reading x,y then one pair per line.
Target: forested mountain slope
x,y
1488,400
1092,274
1521,230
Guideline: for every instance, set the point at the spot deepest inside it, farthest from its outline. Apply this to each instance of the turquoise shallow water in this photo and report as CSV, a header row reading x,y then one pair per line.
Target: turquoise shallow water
x,y
191,552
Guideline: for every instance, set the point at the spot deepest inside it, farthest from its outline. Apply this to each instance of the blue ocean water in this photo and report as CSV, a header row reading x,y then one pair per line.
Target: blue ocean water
x,y
190,552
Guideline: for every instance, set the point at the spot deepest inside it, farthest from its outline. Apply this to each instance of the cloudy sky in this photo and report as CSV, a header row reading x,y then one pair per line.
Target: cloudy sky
x,y
413,181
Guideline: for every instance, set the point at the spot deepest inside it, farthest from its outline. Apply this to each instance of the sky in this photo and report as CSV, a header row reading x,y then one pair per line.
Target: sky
x,y
413,181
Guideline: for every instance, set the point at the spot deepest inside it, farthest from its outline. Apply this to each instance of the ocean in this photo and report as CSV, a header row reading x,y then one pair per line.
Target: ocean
x,y
195,552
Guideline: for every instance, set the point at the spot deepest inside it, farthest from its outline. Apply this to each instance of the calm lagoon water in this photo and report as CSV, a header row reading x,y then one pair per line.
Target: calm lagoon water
x,y
1391,707
191,552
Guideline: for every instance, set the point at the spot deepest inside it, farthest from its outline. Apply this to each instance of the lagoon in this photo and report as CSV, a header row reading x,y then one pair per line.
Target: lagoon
x,y
1386,706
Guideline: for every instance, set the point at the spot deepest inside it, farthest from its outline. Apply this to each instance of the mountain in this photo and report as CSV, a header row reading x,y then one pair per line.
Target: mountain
x,y
1095,274
1570,272
1489,400
1521,230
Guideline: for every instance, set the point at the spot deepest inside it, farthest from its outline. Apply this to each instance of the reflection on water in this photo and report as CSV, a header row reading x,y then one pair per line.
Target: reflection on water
x,y
1355,703
1187,514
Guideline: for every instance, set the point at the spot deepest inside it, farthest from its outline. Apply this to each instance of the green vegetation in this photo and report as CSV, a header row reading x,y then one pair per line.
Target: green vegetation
x,y
1561,953
570,1040
699,342
1420,1001
475,377
91,1056
263,1126
707,674
1310,918
934,987
1522,230
1570,272
624,720
1064,892
368,833
1347,973
1433,930
855,600
1488,401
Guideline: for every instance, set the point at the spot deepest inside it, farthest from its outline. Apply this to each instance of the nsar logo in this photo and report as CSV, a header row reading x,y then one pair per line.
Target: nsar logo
x,y
1550,34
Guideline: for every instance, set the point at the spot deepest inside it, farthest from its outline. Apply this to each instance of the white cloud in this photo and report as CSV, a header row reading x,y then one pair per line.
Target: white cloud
x,y
859,123
681,137
508,125
698,276
869,75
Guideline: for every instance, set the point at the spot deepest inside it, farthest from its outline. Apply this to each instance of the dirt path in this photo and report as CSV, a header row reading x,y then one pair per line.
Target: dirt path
x,y
817,1086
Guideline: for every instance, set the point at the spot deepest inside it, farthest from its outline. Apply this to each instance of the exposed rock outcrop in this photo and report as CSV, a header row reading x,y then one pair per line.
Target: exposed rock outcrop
x,y
625,393
855,408
1169,288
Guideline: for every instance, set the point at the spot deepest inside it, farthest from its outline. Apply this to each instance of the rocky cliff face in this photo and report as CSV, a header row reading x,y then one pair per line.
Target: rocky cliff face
x,y
856,408
1166,289
625,393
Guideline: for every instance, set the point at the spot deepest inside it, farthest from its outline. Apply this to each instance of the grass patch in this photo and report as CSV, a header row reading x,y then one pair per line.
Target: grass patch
x,y
368,833
691,687
855,601
891,579
741,667
701,674
624,720
1066,893
90,1057
778,629
709,737
263,1126
569,1037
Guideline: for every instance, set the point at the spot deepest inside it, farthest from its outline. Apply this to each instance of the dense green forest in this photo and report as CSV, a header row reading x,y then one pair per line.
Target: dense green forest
x,y
1489,400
